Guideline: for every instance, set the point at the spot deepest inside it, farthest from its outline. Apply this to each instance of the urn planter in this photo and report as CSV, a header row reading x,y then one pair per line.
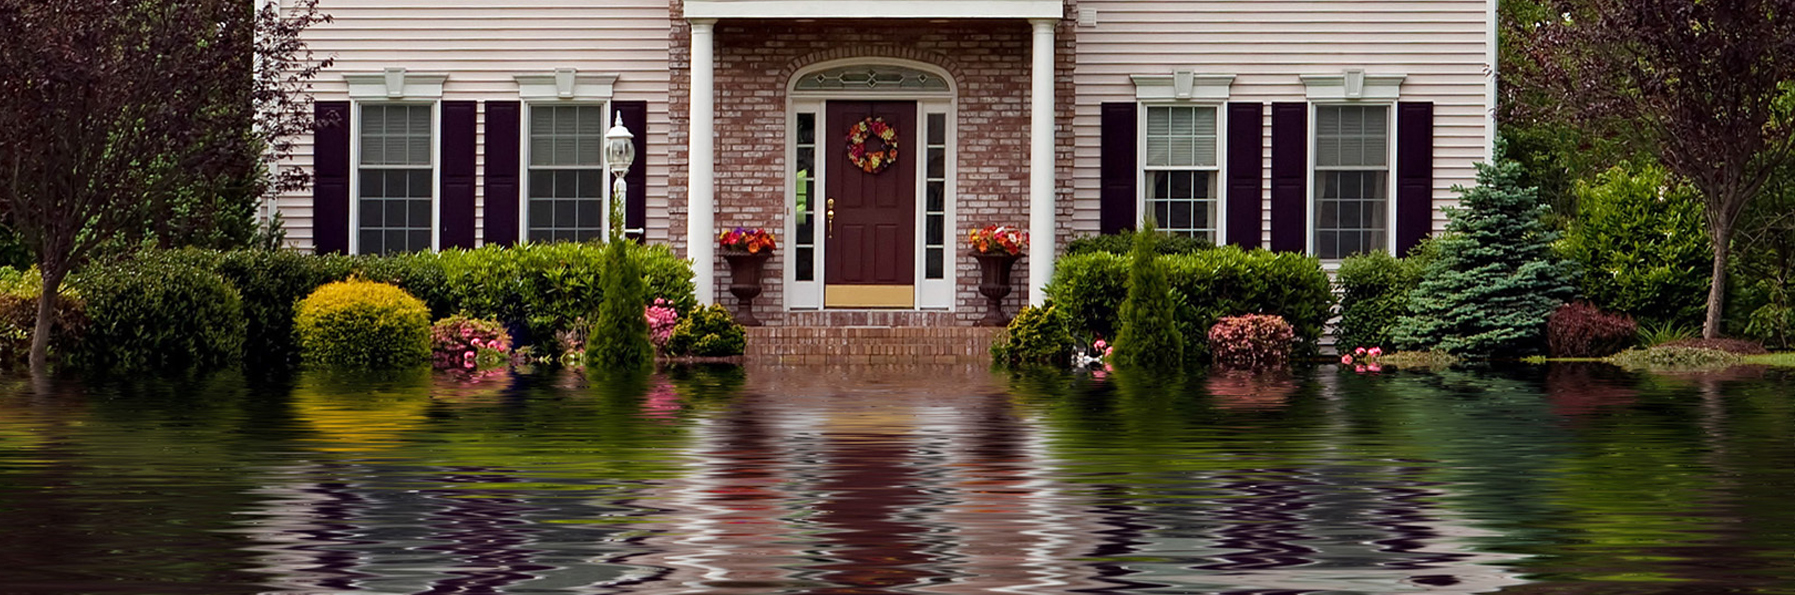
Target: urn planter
x,y
744,282
994,284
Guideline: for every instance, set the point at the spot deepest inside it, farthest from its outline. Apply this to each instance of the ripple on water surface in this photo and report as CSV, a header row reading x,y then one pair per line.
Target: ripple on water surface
x,y
1569,479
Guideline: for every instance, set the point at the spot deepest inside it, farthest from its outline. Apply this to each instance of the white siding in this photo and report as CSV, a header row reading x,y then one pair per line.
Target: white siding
x,y
480,45
1442,45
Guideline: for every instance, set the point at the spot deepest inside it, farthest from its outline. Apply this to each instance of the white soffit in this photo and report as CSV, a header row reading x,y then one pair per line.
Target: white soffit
x,y
861,9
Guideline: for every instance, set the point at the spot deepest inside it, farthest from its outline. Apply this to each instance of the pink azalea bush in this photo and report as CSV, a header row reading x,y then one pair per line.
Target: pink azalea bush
x,y
459,342
1251,341
1364,360
662,317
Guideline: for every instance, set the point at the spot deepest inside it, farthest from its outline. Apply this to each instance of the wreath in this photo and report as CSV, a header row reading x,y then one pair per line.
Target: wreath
x,y
872,162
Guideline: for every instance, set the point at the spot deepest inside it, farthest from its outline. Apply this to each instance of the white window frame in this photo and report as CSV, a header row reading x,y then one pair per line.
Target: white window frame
x,y
565,87
1352,87
1183,88
395,86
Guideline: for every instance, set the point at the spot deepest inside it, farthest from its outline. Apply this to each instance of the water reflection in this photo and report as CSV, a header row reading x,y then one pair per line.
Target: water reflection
x,y
902,480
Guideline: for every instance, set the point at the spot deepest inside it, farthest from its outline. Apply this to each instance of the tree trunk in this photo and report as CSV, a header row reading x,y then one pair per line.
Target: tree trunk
x,y
46,317
1723,236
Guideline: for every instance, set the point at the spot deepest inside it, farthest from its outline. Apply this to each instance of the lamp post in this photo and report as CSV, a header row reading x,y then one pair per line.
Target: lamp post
x,y
620,153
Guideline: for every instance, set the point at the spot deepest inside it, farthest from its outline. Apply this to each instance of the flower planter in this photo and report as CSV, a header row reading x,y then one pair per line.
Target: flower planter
x,y
744,282
994,283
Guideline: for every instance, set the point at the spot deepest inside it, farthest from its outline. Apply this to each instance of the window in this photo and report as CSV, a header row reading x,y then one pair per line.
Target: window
x,y
1181,169
1352,175
396,179
804,236
935,212
566,190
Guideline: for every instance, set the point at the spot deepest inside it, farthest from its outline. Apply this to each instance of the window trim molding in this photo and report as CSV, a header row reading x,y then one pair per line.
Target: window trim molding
x,y
395,85
1182,85
355,167
566,84
1311,221
523,161
1353,85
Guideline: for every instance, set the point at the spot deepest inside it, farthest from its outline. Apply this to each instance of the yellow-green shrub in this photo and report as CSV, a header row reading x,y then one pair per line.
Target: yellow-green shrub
x,y
363,324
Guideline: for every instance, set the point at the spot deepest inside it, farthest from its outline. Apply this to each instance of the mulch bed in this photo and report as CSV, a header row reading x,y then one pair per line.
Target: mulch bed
x,y
1738,346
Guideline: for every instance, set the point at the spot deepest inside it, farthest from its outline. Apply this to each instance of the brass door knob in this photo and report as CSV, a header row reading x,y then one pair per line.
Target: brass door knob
x,y
829,216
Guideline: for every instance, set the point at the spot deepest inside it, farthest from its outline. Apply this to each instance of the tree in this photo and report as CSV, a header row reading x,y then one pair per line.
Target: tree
x,y
1706,86
1494,281
618,339
1148,334
111,110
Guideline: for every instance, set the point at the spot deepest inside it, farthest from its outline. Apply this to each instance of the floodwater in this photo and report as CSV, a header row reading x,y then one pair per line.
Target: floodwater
x,y
1562,480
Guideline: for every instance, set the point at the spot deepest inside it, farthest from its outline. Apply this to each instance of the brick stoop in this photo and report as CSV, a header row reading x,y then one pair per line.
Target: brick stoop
x,y
858,345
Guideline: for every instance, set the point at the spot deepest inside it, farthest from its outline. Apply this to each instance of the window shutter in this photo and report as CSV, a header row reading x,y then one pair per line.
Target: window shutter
x,y
330,171
1246,172
1118,168
502,139
457,207
1289,176
635,198
1414,173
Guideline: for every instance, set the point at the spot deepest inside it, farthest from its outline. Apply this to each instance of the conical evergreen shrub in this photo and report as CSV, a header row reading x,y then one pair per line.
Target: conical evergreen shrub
x,y
619,335
1495,281
1148,335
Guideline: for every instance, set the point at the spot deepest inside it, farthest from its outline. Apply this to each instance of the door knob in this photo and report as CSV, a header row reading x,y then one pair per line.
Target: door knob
x,y
829,216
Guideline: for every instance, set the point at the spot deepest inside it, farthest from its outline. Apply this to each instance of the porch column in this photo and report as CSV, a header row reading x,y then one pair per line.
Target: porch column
x,y
701,180
1041,162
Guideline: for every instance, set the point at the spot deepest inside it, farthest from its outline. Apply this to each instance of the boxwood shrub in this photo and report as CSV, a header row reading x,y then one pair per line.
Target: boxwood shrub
x,y
164,311
19,291
359,324
1207,285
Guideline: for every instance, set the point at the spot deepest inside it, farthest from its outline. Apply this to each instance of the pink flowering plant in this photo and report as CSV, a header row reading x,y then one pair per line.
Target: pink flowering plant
x,y
462,343
662,317
1364,360
1251,341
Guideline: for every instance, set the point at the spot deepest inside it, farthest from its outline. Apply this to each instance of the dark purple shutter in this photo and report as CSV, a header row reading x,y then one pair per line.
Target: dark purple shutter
x,y
502,139
1414,173
457,207
635,199
1246,173
330,177
1289,176
1117,168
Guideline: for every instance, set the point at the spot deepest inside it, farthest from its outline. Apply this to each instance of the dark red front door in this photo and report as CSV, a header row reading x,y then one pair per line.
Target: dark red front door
x,y
871,240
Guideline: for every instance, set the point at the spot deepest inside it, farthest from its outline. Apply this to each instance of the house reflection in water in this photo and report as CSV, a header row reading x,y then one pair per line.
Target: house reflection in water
x,y
811,482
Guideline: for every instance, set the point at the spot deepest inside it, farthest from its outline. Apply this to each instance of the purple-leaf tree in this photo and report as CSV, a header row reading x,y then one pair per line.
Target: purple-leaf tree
x,y
1704,85
109,108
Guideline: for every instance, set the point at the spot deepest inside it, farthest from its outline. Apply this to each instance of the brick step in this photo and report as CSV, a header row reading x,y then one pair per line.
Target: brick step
x,y
841,318
870,345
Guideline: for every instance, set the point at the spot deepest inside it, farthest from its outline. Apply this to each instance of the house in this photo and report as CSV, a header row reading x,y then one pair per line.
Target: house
x,y
1323,126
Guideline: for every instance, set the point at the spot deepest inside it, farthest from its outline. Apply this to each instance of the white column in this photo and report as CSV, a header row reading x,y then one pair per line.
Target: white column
x,y
701,179
1040,164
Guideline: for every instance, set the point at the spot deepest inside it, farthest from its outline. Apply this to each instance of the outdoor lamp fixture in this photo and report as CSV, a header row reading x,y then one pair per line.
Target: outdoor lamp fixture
x,y
620,153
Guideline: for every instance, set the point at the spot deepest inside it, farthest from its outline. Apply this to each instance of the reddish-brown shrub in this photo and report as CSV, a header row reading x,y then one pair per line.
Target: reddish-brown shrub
x,y
1580,330
1251,341
1736,346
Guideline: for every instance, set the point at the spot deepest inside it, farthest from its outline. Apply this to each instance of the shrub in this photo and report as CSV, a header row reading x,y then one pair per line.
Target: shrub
x,y
1088,289
363,324
1495,280
662,317
162,311
1653,335
469,343
1147,336
1642,244
1674,358
619,335
271,283
1374,292
1733,346
544,287
1121,242
19,291
1580,330
1251,341
1035,336
707,331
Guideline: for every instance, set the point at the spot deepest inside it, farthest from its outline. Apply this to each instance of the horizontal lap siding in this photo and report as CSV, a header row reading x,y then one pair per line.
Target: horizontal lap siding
x,y
481,45
1267,45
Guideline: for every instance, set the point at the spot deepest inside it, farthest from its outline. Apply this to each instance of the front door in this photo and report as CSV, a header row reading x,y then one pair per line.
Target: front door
x,y
869,252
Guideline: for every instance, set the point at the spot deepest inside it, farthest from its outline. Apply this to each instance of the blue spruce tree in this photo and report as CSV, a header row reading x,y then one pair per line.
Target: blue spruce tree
x,y
1496,279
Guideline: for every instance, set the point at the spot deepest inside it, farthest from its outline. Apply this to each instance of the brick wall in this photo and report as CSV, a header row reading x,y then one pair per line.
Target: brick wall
x,y
990,62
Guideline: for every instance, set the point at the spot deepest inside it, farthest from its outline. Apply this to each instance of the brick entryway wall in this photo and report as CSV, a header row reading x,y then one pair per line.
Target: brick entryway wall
x,y
990,62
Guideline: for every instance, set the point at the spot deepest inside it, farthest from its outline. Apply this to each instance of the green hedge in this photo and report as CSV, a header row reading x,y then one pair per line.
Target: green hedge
x,y
1123,241
1207,285
167,312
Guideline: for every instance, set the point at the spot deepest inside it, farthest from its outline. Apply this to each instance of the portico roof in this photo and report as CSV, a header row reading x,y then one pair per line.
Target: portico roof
x,y
860,9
